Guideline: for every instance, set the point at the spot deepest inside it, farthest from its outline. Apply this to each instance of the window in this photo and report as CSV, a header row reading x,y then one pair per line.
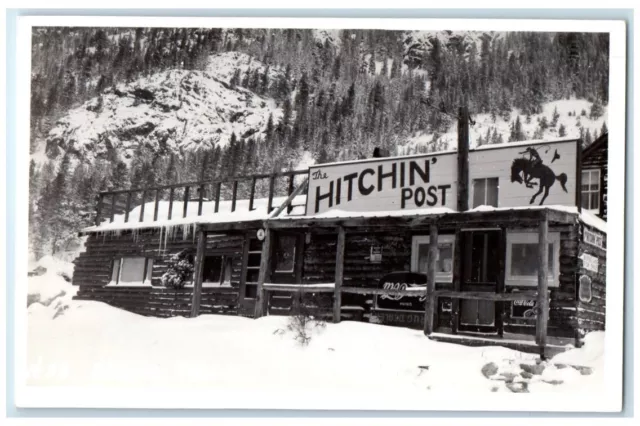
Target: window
x,y
591,189
253,269
522,258
212,270
285,253
444,260
216,270
485,192
131,271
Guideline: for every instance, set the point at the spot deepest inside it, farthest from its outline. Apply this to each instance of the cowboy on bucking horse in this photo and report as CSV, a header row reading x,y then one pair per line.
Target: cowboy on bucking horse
x,y
523,170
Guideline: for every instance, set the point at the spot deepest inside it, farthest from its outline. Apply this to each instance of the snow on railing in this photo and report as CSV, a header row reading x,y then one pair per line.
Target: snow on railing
x,y
134,200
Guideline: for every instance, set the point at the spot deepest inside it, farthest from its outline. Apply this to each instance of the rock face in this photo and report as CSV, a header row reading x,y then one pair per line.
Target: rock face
x,y
169,111
417,44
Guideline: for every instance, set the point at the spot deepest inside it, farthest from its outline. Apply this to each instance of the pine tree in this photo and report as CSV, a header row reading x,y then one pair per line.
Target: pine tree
x,y
596,110
372,64
543,123
264,81
235,79
555,117
604,128
587,138
179,270
335,75
562,131
385,67
494,136
395,68
247,78
516,131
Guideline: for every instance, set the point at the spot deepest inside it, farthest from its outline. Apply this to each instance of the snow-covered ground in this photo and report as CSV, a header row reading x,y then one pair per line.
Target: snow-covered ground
x,y
82,343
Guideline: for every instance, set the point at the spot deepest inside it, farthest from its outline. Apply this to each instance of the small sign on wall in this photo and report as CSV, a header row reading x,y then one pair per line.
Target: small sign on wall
x,y
589,262
523,309
375,254
402,281
593,238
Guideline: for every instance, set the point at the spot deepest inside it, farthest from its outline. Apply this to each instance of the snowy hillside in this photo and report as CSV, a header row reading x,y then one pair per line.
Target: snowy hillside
x,y
167,112
569,117
224,65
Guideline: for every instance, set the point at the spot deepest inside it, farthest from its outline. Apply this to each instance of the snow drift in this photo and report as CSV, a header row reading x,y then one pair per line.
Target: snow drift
x,y
93,344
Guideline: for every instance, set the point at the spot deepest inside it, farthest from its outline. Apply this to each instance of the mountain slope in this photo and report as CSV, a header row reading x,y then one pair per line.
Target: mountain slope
x,y
569,117
167,112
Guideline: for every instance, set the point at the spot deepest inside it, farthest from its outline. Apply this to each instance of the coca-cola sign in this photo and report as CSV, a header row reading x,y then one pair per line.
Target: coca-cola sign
x,y
402,281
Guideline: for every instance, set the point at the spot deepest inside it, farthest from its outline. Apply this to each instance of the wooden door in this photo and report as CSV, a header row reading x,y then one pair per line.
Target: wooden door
x,y
480,272
286,268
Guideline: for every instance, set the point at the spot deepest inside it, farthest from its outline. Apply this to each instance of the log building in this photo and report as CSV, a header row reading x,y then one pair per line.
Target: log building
x,y
500,244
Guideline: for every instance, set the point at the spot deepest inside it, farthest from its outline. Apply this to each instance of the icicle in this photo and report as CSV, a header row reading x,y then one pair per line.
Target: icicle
x,y
186,230
160,239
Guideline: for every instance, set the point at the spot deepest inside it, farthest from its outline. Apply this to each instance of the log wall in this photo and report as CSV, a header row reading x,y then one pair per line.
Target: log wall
x,y
562,303
93,272
319,267
591,314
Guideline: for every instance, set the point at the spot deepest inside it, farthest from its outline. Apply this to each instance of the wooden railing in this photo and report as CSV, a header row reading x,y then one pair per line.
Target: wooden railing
x,y
124,200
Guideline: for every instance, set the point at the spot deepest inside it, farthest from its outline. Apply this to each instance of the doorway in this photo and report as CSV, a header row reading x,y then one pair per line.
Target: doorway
x,y
480,272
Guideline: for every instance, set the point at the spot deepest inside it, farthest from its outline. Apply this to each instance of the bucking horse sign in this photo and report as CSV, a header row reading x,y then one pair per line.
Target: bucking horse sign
x,y
524,170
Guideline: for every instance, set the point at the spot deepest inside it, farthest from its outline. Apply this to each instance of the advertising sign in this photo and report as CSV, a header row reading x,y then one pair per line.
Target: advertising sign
x,y
523,309
402,281
400,183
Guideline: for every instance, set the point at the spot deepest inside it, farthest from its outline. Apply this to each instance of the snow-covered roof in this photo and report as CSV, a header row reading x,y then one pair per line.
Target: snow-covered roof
x,y
344,214
259,214
522,143
224,214
591,219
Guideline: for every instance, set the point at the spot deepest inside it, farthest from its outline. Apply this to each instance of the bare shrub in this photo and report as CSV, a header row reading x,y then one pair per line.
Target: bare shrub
x,y
305,318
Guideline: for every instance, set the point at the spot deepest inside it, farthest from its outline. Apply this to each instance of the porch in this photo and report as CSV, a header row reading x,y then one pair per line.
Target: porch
x,y
268,290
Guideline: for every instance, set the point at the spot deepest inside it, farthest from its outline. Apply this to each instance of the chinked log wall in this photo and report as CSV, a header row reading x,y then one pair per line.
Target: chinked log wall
x,y
562,302
319,267
93,272
591,314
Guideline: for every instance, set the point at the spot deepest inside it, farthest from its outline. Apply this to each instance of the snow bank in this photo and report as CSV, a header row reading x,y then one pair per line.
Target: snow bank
x,y
49,294
93,344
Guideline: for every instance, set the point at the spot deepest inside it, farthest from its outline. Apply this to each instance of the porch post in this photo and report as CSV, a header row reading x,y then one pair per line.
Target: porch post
x,y
197,273
430,304
543,294
457,281
337,295
265,261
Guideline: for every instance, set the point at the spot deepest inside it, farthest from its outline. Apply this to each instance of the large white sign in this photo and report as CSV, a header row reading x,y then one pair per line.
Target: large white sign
x,y
527,174
399,183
